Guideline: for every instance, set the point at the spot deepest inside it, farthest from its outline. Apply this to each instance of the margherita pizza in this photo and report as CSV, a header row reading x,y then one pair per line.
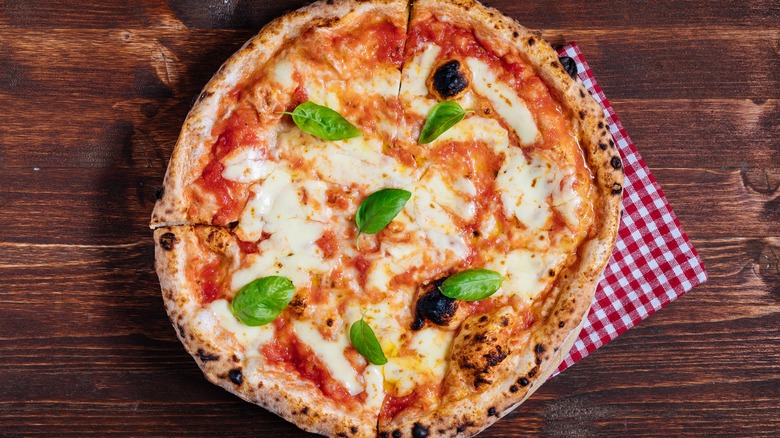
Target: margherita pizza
x,y
387,219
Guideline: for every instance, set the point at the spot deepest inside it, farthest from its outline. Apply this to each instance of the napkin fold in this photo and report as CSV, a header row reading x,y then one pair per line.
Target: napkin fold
x,y
653,262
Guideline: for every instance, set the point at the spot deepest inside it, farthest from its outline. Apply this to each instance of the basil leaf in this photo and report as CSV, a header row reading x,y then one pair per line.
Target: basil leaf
x,y
262,300
379,208
472,285
321,121
443,116
365,342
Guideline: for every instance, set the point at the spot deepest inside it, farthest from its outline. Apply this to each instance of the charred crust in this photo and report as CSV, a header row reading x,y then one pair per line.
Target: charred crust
x,y
611,143
531,41
158,194
235,358
353,429
206,357
462,428
305,410
483,318
504,321
582,114
495,357
569,65
523,382
603,146
513,388
329,322
396,433
384,435
538,360
561,324
330,2
515,34
533,372
616,163
342,435
236,376
492,412
168,241
617,189
232,225
419,431
582,94
601,125
539,349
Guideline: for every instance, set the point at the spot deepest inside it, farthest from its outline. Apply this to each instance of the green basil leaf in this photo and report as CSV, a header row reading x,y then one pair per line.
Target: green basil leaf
x,y
379,208
472,285
262,300
321,121
365,342
443,116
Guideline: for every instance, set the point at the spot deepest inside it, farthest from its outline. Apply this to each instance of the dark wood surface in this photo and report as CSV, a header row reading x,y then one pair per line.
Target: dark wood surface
x,y
93,94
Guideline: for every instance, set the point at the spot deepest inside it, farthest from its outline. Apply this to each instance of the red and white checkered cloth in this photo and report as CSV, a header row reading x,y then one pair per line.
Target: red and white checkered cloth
x,y
653,262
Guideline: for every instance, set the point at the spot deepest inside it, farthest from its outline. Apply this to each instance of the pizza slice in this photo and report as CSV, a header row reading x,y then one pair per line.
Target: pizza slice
x,y
343,55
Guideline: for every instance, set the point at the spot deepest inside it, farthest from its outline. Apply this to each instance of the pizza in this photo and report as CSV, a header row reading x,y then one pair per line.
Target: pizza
x,y
387,219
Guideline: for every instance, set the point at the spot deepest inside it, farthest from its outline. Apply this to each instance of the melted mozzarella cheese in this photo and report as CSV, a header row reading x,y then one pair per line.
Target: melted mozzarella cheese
x,y
455,197
524,190
218,314
282,73
434,222
357,161
375,388
429,363
504,100
331,353
479,129
278,208
526,272
247,165
433,346
413,87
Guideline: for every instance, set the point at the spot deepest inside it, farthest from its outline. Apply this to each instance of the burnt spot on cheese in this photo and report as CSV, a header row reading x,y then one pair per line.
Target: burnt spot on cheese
x,y
433,306
569,65
419,431
236,376
449,80
168,241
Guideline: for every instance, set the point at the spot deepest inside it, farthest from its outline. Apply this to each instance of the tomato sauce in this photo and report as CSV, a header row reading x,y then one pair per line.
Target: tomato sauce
x,y
294,355
236,131
210,288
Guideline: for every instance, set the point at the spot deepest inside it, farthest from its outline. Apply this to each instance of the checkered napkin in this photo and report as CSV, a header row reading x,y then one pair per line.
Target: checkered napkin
x,y
653,262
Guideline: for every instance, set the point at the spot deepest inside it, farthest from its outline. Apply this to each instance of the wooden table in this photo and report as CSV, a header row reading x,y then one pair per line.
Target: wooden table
x,y
93,94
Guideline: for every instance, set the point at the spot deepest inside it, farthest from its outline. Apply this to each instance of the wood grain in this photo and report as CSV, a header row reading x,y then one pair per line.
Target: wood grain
x,y
93,95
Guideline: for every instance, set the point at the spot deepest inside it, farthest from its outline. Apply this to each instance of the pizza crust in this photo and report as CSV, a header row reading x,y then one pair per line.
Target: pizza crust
x,y
525,368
